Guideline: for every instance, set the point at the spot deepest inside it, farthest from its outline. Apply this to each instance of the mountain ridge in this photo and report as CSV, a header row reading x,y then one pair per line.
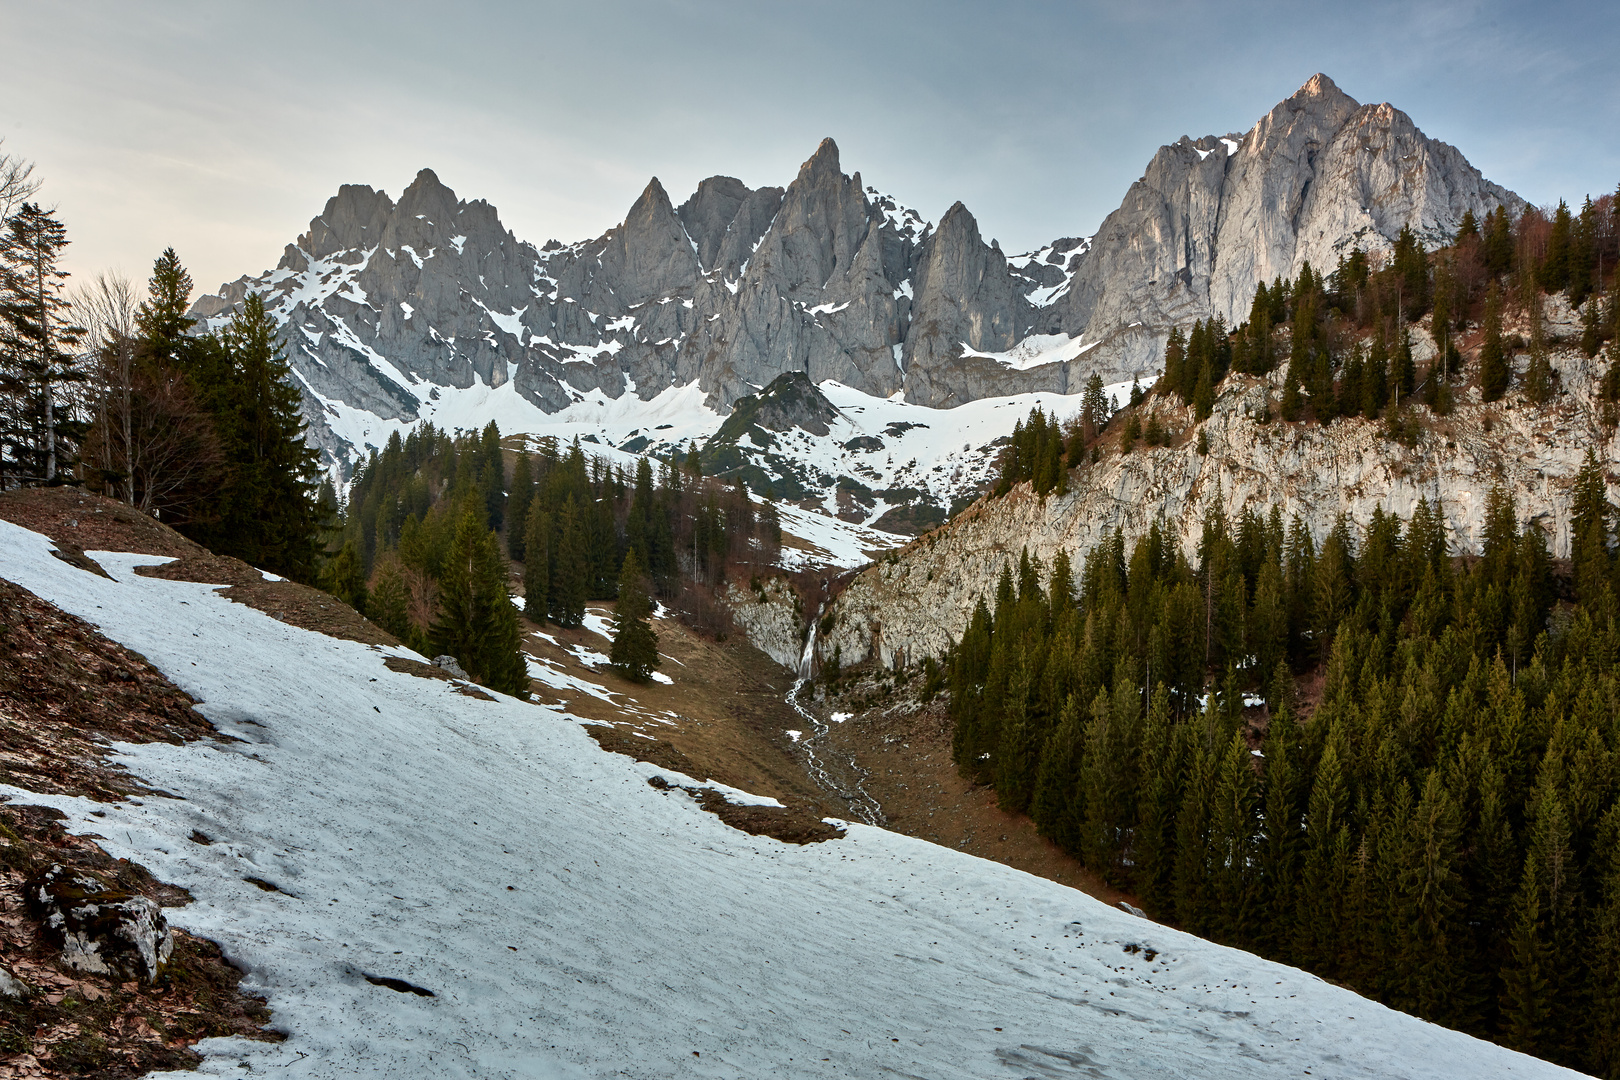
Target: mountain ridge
x,y
391,309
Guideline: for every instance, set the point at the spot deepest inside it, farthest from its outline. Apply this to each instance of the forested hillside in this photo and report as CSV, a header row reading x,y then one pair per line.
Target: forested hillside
x,y
1367,753
568,519
1428,814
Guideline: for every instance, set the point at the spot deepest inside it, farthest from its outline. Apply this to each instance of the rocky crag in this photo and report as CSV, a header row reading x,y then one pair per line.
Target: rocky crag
x,y
390,307
916,602
1317,177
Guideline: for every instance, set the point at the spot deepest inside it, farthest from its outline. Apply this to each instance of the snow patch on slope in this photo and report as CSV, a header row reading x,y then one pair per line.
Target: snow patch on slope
x,y
571,920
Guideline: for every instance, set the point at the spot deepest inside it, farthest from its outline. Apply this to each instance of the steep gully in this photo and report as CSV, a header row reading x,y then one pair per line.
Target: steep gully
x,y
850,784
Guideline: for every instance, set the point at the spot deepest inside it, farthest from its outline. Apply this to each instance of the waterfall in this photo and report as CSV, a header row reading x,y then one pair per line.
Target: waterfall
x,y
807,659
861,805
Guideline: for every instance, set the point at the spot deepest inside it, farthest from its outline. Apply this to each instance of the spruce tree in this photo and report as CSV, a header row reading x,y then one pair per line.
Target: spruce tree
x,y
506,665
1403,374
1204,394
344,577
635,645
1431,897
38,358
537,564
1494,373
1326,839
1499,251
517,507
1278,858
1014,773
1191,881
570,579
390,598
1163,757
164,325
1524,979
1553,274
1232,831
266,514
1602,1056
1050,805
1589,530
463,606
492,476
476,622
1592,327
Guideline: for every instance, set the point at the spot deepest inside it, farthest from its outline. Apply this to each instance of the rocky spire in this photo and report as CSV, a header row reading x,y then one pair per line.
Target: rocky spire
x,y
649,255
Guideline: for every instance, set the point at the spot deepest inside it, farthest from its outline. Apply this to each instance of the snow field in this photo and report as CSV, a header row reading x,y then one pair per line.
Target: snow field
x,y
572,921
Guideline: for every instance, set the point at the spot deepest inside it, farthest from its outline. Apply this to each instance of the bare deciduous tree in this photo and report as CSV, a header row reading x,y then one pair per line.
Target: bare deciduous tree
x,y
17,181
150,444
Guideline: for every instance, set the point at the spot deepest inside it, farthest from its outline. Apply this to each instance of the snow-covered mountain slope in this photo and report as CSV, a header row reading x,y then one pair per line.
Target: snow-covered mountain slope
x,y
899,467
569,919
428,308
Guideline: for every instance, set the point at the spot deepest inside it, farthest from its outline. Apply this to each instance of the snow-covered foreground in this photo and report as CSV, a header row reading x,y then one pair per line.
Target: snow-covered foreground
x,y
571,920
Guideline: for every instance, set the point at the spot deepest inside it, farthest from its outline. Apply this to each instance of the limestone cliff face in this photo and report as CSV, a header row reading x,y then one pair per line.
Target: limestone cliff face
x,y
1317,177
916,603
772,619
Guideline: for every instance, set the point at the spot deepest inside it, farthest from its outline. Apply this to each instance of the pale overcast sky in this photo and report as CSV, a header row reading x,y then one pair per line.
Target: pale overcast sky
x,y
222,128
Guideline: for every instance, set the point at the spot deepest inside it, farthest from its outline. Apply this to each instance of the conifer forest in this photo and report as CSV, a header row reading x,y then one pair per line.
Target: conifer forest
x,y
1371,755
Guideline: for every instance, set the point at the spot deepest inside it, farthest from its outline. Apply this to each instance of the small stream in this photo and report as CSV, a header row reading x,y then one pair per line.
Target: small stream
x,y
851,787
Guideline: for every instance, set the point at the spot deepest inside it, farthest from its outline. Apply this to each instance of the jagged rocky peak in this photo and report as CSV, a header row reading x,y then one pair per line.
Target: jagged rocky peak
x,y
964,289
387,307
725,219
650,254
353,220
1315,178
968,300
823,219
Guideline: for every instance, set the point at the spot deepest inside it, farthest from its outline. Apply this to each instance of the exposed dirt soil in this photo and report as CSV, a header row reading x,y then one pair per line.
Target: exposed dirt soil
x,y
904,748
79,522
726,718
725,709
71,1023
66,693
791,824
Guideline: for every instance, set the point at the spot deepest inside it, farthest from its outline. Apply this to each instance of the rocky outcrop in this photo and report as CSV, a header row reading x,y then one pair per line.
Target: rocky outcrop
x,y
770,615
726,220
968,301
650,255
916,603
100,928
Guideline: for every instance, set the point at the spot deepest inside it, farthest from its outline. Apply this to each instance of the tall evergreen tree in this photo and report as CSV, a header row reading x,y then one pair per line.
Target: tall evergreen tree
x,y
164,325
635,645
1494,373
345,578
1553,274
38,435
570,579
266,513
390,598
492,476
537,564
517,507
477,623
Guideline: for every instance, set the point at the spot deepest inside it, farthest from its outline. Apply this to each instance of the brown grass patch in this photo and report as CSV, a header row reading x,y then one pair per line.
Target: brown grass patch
x,y
66,693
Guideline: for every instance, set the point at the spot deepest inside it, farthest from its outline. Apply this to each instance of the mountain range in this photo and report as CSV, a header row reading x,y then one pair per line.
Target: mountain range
x,y
429,308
